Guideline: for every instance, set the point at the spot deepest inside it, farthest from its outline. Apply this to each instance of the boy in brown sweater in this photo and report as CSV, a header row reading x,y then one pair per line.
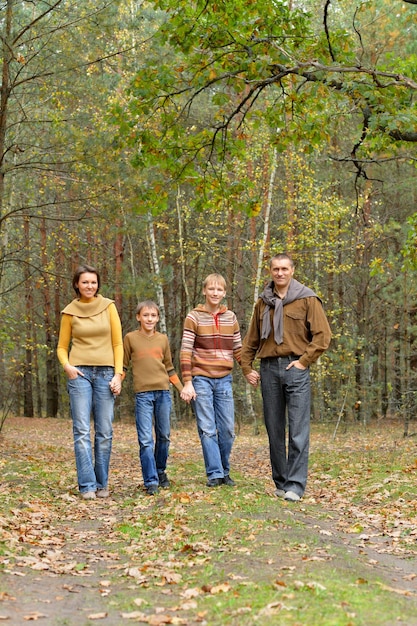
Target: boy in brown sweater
x,y
149,353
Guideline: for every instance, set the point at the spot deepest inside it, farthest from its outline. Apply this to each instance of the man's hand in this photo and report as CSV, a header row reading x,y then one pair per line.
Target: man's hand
x,y
253,378
297,365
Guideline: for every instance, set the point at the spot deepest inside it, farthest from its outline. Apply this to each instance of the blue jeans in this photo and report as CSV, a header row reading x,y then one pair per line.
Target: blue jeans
x,y
90,394
215,415
153,458
286,395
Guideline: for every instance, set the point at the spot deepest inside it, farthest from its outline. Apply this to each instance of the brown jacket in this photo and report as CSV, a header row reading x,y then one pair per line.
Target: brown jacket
x,y
306,334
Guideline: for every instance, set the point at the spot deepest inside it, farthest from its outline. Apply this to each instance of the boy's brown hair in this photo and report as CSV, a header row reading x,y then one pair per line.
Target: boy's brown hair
x,y
148,304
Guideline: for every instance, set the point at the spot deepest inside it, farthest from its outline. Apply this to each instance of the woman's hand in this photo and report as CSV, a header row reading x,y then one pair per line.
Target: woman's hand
x,y
72,372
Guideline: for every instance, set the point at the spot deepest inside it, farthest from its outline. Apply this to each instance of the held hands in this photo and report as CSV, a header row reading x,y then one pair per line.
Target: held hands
x,y
116,384
253,378
188,392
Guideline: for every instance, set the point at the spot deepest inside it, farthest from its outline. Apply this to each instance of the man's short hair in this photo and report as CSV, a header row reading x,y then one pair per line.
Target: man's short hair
x,y
281,255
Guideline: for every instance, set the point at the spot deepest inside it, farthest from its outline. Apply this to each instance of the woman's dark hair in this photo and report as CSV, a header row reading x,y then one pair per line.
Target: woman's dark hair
x,y
83,269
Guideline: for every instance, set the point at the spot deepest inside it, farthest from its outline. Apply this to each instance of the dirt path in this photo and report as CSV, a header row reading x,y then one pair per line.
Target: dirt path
x,y
78,599
44,585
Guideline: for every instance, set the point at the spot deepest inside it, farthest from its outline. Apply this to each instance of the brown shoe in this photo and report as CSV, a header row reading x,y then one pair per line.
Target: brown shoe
x,y
102,493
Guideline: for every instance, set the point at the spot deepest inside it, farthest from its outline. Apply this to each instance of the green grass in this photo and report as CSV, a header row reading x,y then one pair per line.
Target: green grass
x,y
238,526
251,559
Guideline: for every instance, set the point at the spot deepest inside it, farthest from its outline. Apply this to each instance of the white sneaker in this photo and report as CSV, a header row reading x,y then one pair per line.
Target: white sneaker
x,y
102,493
88,495
292,496
280,493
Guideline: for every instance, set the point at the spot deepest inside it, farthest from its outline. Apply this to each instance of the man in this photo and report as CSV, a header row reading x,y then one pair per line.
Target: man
x,y
288,332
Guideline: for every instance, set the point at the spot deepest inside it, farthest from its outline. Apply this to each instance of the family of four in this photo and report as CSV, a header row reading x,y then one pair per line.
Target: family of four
x,y
287,333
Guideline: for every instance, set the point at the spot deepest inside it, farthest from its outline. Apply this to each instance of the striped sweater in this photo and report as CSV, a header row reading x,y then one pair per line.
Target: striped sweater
x,y
209,343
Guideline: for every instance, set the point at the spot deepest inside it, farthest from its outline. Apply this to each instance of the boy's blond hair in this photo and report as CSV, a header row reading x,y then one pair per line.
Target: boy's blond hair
x,y
148,304
214,278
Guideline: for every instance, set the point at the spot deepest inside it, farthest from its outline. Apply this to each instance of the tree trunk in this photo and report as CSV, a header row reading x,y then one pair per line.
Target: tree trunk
x,y
28,373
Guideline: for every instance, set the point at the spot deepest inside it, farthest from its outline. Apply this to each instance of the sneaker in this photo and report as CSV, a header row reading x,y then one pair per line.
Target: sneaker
x,y
292,496
228,481
88,495
280,493
164,480
152,490
214,482
102,493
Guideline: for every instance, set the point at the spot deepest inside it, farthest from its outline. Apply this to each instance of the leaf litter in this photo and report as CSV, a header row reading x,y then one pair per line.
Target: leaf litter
x,y
58,549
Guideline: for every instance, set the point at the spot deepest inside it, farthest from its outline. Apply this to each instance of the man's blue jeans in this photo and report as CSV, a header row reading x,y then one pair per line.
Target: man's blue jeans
x,y
215,415
153,457
286,395
90,394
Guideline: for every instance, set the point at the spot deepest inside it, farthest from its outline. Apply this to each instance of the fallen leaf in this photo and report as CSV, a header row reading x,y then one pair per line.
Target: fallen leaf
x,y
223,588
192,592
138,615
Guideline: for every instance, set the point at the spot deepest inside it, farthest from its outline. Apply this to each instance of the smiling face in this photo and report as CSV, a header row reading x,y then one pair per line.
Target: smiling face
x,y
282,271
148,318
87,286
214,293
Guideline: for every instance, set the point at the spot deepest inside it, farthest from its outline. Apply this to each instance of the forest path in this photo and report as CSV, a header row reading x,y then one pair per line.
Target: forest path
x,y
71,560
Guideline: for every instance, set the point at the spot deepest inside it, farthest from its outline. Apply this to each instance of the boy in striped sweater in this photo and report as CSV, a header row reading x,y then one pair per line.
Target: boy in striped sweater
x,y
210,342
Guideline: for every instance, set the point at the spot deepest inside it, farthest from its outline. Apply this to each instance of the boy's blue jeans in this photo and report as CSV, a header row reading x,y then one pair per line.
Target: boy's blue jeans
x,y
214,411
90,394
153,456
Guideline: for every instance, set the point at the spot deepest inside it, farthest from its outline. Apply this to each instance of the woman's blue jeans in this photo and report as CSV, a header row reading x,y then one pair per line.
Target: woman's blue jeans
x,y
90,395
153,407
286,397
215,416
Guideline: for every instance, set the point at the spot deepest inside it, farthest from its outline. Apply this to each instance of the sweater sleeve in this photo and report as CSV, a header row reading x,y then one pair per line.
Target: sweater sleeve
x,y
116,339
64,339
237,341
172,374
187,347
251,342
127,352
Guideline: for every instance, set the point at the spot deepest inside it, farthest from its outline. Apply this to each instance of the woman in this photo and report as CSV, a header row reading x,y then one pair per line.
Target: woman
x,y
94,368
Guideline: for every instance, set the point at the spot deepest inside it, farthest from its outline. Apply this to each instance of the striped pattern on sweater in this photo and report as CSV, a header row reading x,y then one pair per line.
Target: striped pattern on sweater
x,y
210,342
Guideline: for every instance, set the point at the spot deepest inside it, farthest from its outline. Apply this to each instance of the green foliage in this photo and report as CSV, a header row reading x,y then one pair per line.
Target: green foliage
x,y
212,68
409,251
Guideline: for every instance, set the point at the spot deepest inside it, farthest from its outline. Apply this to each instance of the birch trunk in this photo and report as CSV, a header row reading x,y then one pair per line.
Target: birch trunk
x,y
182,257
160,295
157,273
261,256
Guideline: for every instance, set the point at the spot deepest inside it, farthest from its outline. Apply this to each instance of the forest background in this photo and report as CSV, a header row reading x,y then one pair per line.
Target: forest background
x,y
161,141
